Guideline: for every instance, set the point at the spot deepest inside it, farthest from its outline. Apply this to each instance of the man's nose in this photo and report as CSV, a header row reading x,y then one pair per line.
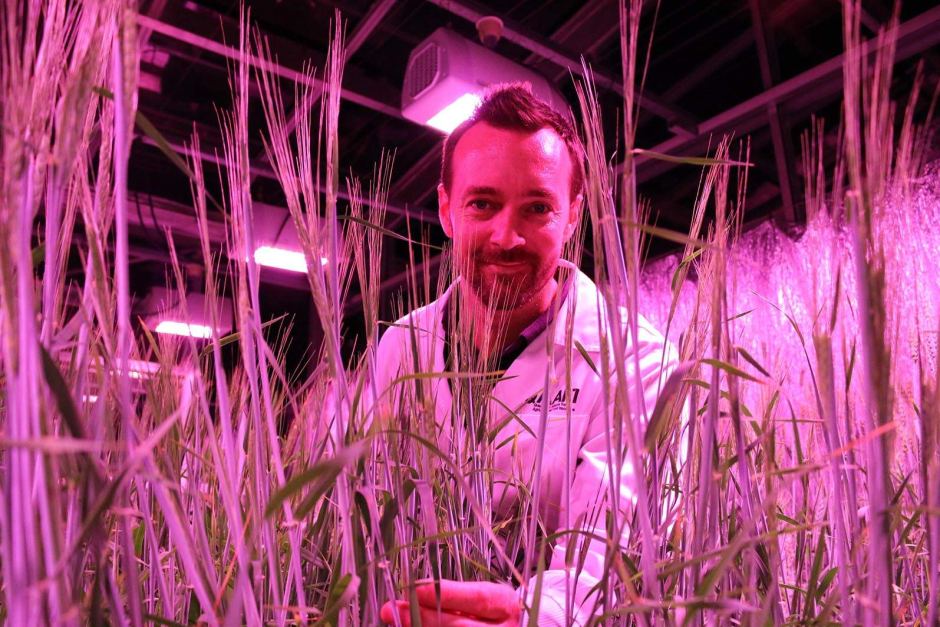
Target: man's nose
x,y
504,230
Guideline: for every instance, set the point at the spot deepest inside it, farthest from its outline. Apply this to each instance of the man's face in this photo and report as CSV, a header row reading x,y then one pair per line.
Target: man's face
x,y
509,212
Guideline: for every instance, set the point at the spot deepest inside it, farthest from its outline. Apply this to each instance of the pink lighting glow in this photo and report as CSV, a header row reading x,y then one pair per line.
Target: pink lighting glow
x,y
283,259
450,117
174,327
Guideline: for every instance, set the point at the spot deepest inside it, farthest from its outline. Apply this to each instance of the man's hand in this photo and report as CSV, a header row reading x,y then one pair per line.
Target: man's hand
x,y
462,604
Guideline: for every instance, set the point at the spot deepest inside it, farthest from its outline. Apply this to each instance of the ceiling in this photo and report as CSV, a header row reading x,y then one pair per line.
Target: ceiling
x,y
759,68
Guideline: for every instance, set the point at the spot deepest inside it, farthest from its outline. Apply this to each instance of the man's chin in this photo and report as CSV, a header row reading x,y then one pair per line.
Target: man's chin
x,y
501,296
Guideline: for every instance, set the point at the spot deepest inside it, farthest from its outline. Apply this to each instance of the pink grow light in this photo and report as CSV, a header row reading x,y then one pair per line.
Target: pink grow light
x,y
450,117
175,327
282,258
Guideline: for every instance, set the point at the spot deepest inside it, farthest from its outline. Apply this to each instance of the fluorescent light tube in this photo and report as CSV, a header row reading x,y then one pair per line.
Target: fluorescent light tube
x,y
292,260
450,117
175,327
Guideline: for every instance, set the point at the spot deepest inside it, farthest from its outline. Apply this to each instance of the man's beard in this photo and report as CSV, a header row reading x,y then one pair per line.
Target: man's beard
x,y
506,291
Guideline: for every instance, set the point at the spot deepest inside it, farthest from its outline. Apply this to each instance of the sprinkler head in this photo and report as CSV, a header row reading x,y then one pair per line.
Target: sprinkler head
x,y
490,29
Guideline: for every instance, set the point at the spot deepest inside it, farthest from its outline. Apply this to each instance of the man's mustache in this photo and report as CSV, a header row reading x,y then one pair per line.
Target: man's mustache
x,y
502,257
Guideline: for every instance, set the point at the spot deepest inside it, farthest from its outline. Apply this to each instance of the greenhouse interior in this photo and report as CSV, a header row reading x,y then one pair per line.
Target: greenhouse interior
x,y
465,313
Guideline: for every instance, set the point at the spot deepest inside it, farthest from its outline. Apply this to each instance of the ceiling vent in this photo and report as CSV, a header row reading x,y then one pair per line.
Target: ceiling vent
x,y
447,74
423,69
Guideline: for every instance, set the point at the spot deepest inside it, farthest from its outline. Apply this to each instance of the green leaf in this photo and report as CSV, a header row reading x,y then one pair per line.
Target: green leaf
x,y
148,129
812,593
723,365
388,232
195,609
341,592
682,267
63,397
537,592
419,376
586,356
747,357
740,315
667,395
363,506
700,161
667,234
321,475
387,524
707,584
826,580
787,519
139,540
510,416
231,338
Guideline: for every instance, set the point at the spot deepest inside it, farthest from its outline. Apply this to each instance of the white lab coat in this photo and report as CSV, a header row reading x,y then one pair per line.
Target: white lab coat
x,y
584,474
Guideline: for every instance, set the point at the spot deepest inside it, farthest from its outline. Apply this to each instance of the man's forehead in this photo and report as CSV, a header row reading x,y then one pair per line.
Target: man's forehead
x,y
542,152
545,141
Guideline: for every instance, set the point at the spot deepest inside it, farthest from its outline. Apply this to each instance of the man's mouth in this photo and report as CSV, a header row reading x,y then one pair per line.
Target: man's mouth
x,y
502,262
503,267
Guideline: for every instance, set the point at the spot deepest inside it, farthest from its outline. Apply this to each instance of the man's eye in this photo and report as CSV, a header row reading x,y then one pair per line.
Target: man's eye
x,y
541,209
480,205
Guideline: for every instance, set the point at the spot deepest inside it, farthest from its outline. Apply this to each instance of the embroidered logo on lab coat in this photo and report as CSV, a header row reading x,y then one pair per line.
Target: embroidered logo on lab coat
x,y
559,401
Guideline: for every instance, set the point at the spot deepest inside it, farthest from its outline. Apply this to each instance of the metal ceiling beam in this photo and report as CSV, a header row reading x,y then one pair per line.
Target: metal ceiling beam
x,y
519,35
430,160
181,220
155,10
162,213
369,22
819,83
728,52
770,74
394,281
258,170
586,31
366,26
229,52
585,22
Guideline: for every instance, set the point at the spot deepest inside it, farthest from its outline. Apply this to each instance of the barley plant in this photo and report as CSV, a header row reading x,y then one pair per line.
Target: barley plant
x,y
789,472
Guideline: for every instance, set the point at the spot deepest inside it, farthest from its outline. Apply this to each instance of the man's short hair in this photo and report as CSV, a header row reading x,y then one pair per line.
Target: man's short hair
x,y
513,107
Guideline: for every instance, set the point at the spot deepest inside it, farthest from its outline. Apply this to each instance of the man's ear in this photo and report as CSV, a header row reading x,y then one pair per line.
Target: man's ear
x,y
574,216
443,211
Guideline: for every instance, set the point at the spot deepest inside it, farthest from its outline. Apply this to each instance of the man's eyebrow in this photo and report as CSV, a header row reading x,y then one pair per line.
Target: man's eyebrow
x,y
481,191
540,192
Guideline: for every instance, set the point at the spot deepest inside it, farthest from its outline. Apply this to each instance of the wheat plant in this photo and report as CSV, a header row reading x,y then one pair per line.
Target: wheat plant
x,y
787,475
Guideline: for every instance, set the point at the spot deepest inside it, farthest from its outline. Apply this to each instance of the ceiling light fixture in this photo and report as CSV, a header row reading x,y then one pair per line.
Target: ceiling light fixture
x,y
187,315
450,117
175,327
283,259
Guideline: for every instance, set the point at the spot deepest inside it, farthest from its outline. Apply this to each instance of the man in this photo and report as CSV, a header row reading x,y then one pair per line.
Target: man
x,y
510,199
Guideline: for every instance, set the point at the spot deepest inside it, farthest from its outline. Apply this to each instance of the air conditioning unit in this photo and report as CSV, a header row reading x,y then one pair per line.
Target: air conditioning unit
x,y
447,74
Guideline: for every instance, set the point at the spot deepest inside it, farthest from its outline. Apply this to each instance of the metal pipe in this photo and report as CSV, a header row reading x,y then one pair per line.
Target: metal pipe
x,y
419,214
229,52
913,37
769,73
363,29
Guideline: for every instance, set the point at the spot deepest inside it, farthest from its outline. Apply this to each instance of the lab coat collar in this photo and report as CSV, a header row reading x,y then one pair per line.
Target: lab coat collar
x,y
587,308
